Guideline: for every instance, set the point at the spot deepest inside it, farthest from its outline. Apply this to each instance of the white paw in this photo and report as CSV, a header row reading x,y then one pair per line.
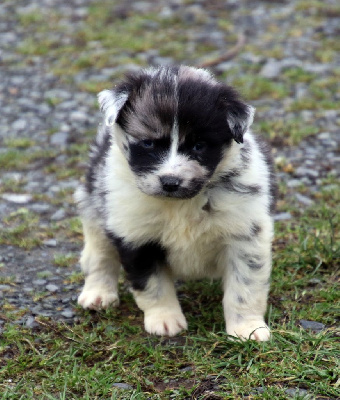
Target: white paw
x,y
255,330
165,322
97,299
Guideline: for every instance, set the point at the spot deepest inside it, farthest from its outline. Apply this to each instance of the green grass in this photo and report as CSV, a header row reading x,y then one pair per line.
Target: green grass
x,y
87,360
288,132
21,158
255,87
65,260
18,229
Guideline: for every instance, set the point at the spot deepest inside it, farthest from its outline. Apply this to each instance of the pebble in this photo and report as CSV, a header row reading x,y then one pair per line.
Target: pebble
x,y
304,199
314,281
19,125
59,139
297,393
282,216
30,322
39,282
58,215
312,325
52,288
271,69
68,313
293,183
123,386
40,208
303,171
50,243
17,198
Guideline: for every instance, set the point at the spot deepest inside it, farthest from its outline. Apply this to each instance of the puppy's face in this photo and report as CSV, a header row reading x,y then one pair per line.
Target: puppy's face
x,y
174,126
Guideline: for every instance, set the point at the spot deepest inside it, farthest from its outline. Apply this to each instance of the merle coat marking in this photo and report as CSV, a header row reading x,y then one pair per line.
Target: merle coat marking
x,y
178,187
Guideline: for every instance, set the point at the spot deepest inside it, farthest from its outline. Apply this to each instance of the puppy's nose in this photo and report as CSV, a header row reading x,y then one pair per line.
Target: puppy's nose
x,y
170,183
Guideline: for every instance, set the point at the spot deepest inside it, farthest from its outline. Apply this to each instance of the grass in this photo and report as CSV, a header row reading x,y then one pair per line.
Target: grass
x,y
289,132
18,230
108,355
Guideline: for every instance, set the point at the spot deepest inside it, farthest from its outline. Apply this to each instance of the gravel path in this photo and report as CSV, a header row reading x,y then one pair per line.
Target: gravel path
x,y
43,115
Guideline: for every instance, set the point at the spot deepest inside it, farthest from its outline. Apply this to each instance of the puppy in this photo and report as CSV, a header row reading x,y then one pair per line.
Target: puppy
x,y
178,187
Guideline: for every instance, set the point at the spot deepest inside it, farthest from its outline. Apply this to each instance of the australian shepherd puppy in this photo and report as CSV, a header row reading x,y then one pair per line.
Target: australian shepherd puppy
x,y
178,187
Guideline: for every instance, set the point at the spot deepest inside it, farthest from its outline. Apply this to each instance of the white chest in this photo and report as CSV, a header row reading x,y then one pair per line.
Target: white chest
x,y
190,234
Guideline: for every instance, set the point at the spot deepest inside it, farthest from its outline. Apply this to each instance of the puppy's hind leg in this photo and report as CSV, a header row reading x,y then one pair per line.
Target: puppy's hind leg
x,y
100,263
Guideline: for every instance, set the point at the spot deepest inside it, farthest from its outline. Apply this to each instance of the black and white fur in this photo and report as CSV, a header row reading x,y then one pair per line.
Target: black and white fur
x,y
178,187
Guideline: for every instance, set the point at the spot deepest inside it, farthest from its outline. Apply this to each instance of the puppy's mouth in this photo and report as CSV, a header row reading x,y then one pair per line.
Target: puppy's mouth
x,y
176,193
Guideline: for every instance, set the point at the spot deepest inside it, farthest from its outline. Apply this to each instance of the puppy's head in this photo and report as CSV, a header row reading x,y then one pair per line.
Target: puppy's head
x,y
174,126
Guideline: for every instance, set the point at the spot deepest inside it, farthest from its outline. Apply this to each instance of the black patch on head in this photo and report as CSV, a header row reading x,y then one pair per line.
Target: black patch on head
x,y
146,159
139,263
98,153
203,110
152,101
266,151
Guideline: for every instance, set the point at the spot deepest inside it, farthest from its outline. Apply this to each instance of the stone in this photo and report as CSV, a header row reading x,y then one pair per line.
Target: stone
x,y
123,386
312,325
304,199
52,288
59,139
67,313
78,116
40,208
271,69
58,215
19,125
324,136
50,243
30,322
39,282
303,171
17,198
282,216
293,183
296,392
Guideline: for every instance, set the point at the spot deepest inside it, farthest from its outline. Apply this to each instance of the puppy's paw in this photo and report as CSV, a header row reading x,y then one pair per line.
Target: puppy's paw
x,y
254,329
97,299
165,322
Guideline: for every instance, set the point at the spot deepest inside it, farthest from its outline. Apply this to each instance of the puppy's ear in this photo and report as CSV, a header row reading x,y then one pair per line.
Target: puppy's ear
x,y
111,102
239,120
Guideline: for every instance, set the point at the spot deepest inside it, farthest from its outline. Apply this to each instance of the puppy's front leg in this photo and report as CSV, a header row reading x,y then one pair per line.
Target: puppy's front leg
x,y
246,285
153,287
100,263
162,312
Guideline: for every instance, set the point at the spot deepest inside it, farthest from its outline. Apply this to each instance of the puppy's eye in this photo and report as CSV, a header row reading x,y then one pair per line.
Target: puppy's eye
x,y
199,147
147,144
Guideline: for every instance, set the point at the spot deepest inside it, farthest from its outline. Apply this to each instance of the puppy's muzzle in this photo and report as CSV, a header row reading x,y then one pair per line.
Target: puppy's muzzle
x,y
170,183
